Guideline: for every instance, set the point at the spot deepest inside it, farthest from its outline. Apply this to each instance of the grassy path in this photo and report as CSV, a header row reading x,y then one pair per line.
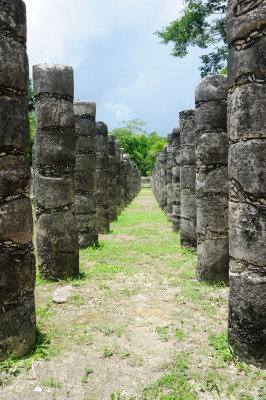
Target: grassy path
x,y
137,325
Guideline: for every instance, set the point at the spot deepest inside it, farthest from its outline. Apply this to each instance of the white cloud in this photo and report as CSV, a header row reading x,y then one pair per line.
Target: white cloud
x,y
121,112
118,61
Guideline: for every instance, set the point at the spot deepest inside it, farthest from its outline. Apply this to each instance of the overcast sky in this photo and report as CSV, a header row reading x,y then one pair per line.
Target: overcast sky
x,y
117,60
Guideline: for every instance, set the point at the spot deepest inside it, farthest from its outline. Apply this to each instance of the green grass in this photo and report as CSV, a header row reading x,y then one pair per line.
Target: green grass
x,y
141,255
41,350
173,384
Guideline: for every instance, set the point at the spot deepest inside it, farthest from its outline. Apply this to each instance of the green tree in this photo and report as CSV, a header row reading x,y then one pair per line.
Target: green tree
x,y
201,24
30,102
141,146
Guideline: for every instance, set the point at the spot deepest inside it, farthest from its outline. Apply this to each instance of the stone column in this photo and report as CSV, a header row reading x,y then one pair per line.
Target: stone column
x,y
176,179
112,178
126,179
54,164
122,176
188,236
118,177
85,173
212,179
17,262
247,174
102,178
169,166
163,184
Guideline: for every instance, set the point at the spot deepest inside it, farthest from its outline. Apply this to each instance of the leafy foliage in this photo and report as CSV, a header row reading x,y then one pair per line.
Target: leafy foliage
x,y
30,101
141,146
202,24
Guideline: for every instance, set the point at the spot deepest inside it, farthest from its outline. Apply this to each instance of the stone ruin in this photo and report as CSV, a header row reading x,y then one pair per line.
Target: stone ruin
x,y
54,172
112,177
64,178
17,261
85,173
246,23
188,217
222,179
176,215
102,177
212,179
169,184
83,179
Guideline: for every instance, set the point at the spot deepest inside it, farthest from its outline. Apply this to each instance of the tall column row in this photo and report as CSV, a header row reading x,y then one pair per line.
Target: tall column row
x,y
188,236
212,179
17,262
54,172
176,217
247,174
85,173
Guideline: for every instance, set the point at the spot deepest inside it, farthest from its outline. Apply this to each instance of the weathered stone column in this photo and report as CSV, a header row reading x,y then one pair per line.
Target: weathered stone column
x,y
188,236
176,179
126,179
247,173
102,178
212,179
122,176
169,166
112,178
163,184
118,177
17,262
54,163
85,173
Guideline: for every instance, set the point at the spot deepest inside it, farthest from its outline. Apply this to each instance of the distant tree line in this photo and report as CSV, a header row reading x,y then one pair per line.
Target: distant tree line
x,y
142,147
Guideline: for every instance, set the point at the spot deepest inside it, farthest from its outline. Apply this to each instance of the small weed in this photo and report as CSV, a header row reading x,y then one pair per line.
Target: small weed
x,y
179,334
223,350
43,311
126,292
135,359
105,329
210,383
118,396
109,350
162,332
88,370
53,383
76,300
86,336
125,354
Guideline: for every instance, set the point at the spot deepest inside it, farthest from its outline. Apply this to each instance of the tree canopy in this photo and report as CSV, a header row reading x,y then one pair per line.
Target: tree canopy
x,y
201,24
142,147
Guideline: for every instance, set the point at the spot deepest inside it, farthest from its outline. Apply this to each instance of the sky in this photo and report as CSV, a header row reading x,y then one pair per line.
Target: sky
x,y
118,62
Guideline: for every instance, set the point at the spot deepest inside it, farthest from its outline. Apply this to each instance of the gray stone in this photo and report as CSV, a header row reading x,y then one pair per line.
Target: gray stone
x,y
188,235
247,174
17,261
85,173
212,185
54,164
61,294
102,178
